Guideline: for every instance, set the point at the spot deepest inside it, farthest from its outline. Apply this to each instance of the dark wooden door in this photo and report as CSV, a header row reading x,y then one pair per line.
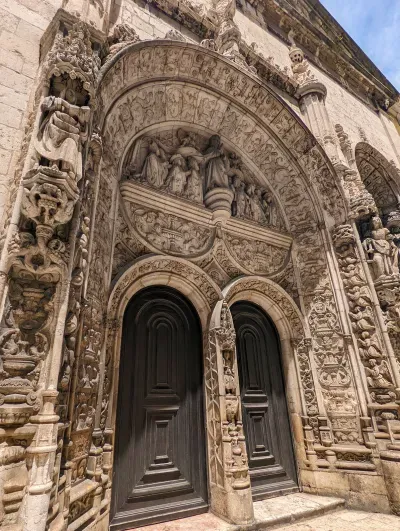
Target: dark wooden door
x,y
265,414
159,465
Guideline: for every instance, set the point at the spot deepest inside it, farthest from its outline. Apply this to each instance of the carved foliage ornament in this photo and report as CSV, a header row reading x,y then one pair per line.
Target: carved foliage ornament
x,y
378,375
39,251
227,447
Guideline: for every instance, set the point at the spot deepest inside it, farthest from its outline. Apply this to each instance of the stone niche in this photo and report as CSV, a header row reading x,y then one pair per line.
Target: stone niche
x,y
185,194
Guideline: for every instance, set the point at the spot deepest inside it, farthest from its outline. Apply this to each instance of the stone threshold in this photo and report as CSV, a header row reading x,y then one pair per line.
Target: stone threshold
x,y
268,514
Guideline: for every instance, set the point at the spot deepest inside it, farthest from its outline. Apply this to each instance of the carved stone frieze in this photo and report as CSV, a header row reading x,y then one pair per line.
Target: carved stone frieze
x,y
187,230
168,233
145,106
200,170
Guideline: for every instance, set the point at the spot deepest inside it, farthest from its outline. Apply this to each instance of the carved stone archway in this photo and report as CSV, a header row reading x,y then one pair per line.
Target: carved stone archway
x,y
379,176
223,98
187,278
158,85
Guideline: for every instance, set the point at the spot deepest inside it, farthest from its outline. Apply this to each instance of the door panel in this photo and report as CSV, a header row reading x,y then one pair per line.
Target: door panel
x,y
159,470
265,415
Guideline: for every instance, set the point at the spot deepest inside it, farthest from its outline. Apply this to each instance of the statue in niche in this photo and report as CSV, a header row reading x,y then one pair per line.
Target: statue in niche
x,y
381,250
176,180
254,211
269,208
216,165
155,168
63,130
194,184
240,199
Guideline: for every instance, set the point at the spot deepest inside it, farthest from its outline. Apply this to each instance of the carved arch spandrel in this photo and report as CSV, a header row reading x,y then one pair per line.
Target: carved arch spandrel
x,y
159,62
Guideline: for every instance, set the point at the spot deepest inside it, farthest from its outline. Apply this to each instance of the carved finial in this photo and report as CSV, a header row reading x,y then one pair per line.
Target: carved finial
x,y
73,55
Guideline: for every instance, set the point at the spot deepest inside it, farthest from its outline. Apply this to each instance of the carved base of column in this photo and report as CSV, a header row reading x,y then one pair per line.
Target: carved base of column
x,y
391,470
219,200
235,506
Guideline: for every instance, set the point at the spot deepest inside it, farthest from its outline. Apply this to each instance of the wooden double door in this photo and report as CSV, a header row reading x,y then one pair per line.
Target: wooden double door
x,y
160,456
160,462
264,408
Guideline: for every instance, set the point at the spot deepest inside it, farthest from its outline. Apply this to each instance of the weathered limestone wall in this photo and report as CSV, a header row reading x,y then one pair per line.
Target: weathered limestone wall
x,y
147,21
22,24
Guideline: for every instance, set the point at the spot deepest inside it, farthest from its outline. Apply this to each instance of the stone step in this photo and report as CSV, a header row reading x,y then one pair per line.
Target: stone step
x,y
269,514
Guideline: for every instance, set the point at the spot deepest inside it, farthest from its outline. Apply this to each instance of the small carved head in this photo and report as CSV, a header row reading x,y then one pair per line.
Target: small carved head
x,y
376,222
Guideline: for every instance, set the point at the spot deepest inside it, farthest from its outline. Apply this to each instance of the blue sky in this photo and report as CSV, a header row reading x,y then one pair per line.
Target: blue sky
x,y
375,26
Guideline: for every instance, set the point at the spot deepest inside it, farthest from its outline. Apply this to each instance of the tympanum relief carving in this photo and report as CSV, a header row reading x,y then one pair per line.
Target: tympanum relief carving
x,y
167,207
202,170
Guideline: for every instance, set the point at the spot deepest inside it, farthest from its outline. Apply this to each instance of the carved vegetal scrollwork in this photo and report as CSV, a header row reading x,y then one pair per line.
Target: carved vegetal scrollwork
x,y
378,374
228,456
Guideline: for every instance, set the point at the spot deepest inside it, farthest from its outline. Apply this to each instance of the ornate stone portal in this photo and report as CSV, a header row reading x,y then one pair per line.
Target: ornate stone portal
x,y
174,164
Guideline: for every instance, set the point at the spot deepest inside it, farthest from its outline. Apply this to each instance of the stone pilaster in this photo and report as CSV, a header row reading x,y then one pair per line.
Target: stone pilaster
x,y
229,472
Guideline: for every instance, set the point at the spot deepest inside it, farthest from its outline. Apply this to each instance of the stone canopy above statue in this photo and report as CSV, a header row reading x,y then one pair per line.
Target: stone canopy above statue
x,y
200,169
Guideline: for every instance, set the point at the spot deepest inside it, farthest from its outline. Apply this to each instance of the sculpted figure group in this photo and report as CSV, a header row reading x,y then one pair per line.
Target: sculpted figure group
x,y
187,172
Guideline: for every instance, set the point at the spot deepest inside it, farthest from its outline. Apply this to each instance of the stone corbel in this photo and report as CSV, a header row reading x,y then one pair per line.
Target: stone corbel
x,y
229,472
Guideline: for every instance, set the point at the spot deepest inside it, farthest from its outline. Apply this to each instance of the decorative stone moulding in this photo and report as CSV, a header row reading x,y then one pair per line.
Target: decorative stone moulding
x,y
179,228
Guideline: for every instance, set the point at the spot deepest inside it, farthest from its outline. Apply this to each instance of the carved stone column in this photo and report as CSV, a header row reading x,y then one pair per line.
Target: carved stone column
x,y
229,472
375,353
40,262
312,94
